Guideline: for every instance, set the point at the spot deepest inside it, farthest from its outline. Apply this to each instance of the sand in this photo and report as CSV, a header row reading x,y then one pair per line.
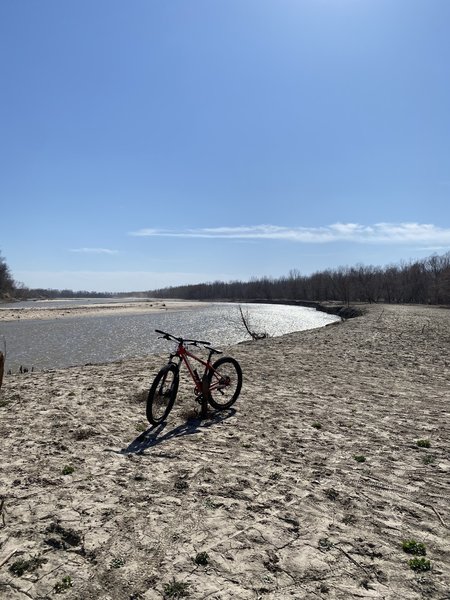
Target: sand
x,y
270,491
132,308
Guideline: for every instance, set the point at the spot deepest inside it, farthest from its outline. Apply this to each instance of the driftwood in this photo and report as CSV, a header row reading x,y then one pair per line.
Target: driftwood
x,y
2,367
254,335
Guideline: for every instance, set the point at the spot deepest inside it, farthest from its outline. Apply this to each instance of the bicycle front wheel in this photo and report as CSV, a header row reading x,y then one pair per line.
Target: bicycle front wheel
x,y
225,382
162,394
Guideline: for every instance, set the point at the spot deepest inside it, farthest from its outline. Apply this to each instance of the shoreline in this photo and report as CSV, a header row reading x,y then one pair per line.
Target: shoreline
x,y
330,307
88,310
307,489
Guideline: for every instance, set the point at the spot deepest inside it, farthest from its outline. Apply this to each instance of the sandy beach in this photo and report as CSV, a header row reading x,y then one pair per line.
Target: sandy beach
x,y
306,489
11,313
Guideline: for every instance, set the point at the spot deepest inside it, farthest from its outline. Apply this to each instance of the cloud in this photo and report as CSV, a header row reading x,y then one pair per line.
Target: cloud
x,y
94,250
379,233
435,248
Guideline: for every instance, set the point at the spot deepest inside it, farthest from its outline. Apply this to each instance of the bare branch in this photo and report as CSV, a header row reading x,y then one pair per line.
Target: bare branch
x,y
246,321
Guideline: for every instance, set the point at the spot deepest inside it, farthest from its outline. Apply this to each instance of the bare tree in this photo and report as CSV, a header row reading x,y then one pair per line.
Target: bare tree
x,y
6,280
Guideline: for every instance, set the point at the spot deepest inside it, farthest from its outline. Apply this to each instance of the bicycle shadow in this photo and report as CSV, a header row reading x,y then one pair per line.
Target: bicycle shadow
x,y
154,435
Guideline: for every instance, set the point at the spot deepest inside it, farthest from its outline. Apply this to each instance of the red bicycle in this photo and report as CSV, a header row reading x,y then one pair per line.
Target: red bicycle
x,y
219,385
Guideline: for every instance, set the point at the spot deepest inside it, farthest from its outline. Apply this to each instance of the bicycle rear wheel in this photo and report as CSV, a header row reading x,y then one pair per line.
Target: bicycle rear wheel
x,y
162,394
225,382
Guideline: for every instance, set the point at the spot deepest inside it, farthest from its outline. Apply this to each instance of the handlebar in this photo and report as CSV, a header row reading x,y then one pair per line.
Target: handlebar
x,y
169,336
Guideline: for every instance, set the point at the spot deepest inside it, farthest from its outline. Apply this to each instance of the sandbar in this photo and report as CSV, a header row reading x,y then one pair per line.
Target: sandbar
x,y
90,310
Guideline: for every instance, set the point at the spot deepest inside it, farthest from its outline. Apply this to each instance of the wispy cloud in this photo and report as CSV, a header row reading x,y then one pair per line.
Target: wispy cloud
x,y
436,248
379,233
94,250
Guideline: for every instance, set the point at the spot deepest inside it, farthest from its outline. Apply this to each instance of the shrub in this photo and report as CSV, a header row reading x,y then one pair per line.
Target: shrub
x,y
181,485
423,443
117,562
419,564
413,547
21,566
176,589
325,544
63,585
359,458
202,558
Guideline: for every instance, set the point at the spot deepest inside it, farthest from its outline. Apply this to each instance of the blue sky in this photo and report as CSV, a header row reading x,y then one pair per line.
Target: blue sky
x,y
152,143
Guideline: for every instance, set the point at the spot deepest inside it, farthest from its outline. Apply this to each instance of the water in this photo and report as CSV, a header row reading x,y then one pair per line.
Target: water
x,y
68,302
56,343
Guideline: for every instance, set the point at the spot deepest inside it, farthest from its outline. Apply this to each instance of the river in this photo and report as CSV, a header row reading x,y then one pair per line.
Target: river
x,y
55,343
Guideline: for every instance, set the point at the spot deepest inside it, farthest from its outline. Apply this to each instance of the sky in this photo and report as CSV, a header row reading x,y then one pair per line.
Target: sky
x,y
153,143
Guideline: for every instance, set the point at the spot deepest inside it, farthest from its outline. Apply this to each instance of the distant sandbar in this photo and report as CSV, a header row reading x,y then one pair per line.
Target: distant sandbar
x,y
91,310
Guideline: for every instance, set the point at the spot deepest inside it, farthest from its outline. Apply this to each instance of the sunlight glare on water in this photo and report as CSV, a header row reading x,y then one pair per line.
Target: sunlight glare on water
x,y
96,339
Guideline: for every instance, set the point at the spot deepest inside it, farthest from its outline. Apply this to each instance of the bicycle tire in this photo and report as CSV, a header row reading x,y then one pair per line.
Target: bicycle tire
x,y
225,379
162,394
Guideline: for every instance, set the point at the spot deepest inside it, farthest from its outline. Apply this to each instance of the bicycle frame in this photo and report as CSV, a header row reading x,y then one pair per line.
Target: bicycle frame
x,y
183,355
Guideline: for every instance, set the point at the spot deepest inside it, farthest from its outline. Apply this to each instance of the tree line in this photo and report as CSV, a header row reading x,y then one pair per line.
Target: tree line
x,y
424,281
10,289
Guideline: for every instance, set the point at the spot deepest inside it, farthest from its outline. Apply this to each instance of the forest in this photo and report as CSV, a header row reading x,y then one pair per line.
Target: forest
x,y
425,281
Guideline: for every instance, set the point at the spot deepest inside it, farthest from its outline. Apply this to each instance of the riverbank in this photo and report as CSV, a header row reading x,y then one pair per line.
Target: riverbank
x,y
344,311
306,491
93,310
